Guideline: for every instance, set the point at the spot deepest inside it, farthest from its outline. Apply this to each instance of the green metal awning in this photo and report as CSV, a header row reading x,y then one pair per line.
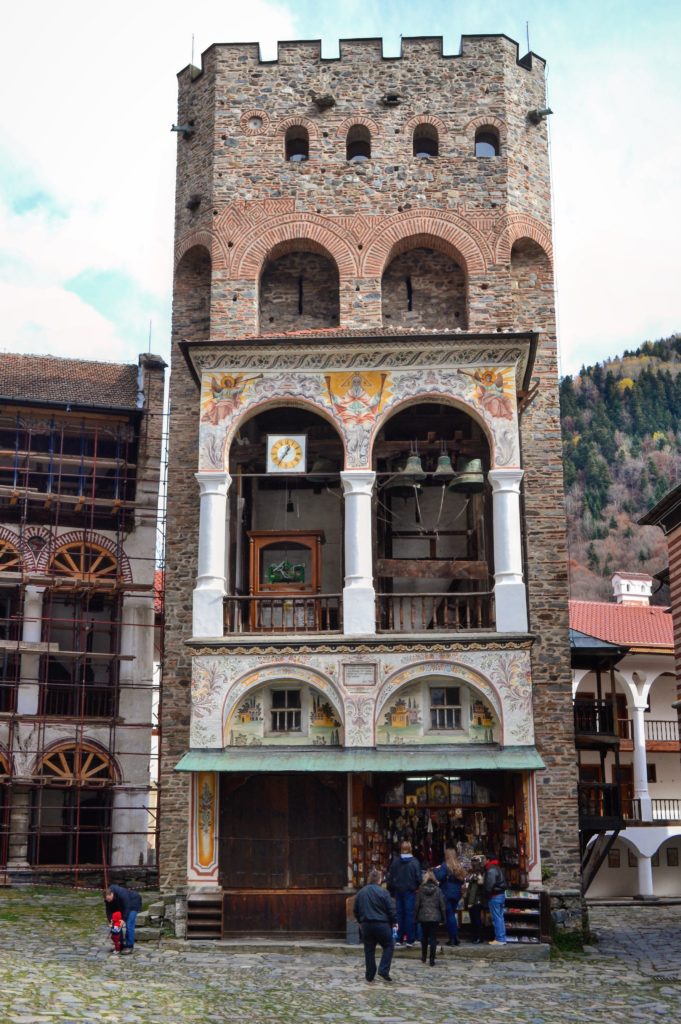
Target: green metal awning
x,y
433,760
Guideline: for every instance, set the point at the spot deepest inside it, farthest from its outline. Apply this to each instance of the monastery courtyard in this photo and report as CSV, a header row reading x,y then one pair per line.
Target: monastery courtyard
x,y
55,967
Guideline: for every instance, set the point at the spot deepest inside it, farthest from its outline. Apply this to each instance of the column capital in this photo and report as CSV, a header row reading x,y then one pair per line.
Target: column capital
x,y
213,483
358,481
505,479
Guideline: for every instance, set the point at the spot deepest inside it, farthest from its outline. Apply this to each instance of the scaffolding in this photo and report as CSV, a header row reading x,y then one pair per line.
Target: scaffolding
x,y
82,537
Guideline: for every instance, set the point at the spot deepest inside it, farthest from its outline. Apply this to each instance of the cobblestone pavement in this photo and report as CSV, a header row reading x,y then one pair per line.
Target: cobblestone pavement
x,y
55,967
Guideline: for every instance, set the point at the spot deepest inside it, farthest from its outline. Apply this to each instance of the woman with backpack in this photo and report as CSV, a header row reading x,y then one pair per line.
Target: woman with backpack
x,y
451,874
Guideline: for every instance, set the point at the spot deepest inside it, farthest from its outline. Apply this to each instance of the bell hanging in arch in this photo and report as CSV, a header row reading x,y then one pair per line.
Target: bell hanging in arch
x,y
444,471
408,479
321,471
469,478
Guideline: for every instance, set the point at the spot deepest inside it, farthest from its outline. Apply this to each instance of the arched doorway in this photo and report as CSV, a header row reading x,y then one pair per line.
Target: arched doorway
x,y
286,524
433,517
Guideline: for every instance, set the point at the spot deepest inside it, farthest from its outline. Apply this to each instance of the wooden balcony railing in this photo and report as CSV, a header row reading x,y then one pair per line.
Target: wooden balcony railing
x,y
666,809
423,613
599,803
658,731
299,613
594,717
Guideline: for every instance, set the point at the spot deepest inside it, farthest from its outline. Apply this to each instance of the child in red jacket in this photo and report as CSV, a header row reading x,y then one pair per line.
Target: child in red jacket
x,y
116,930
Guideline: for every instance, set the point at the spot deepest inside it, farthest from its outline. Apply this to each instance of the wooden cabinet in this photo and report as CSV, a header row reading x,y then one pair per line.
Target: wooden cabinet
x,y
285,577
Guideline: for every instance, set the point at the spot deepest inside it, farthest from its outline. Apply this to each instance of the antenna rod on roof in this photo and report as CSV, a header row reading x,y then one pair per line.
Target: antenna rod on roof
x,y
527,33
150,337
192,60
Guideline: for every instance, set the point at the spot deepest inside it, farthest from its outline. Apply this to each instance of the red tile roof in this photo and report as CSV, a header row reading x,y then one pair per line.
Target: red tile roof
x,y
625,625
79,382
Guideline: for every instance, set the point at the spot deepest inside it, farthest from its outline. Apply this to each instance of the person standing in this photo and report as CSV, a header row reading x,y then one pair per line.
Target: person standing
x,y
474,896
431,910
129,902
404,879
451,874
495,891
375,911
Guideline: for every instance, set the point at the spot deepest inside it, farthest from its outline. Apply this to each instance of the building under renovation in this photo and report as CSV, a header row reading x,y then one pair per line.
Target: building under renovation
x,y
80,461
366,600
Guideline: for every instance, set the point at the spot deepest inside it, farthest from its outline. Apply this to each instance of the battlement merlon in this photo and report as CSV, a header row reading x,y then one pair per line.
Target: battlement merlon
x,y
296,52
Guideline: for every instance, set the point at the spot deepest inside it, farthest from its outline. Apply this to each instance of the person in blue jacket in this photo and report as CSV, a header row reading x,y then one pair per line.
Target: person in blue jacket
x,y
129,902
404,879
451,874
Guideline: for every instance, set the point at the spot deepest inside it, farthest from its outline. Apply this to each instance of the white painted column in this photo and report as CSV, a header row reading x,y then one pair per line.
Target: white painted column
x,y
641,791
359,596
510,597
645,876
28,693
209,593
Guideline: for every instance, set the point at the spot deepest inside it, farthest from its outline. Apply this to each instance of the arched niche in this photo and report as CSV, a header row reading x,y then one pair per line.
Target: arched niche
x,y
191,303
290,706
434,708
531,285
424,285
298,289
434,548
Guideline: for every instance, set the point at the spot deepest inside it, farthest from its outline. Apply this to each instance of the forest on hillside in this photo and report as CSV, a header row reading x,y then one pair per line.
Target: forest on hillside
x,y
621,425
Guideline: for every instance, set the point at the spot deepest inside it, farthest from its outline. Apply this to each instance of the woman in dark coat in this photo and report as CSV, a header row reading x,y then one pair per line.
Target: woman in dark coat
x,y
431,910
451,875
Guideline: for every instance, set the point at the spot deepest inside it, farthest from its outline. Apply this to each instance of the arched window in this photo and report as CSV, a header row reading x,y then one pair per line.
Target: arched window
x,y
297,144
425,140
71,812
486,142
358,144
10,559
84,560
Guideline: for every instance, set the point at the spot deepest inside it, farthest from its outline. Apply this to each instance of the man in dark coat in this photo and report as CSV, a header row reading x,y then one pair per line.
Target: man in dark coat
x,y
129,902
375,912
404,879
495,890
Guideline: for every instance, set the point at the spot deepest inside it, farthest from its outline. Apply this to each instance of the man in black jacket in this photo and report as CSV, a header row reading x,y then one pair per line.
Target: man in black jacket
x,y
404,879
375,912
129,903
495,890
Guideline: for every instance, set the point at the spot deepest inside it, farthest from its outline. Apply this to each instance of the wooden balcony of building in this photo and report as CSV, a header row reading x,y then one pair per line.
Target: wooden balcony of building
x,y
596,724
284,613
600,806
463,611
662,735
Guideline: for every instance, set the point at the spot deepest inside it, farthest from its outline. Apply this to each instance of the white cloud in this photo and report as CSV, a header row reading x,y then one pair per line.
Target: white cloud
x,y
47,320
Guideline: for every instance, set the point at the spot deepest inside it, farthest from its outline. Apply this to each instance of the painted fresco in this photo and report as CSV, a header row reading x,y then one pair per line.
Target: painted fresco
x,y
357,401
406,719
498,681
248,726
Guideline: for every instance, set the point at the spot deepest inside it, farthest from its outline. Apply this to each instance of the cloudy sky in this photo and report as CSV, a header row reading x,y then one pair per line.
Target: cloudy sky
x,y
87,158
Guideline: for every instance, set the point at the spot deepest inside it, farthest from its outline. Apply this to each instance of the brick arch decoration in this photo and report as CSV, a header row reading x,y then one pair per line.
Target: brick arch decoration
x,y
264,676
93,764
350,122
91,539
203,239
294,122
486,121
519,226
404,677
318,234
434,229
15,554
427,398
431,119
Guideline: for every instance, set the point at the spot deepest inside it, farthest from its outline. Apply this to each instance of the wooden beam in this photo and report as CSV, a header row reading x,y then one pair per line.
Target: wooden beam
x,y
432,568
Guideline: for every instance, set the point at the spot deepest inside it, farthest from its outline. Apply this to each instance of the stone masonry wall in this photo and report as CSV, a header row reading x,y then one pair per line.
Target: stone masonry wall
x,y
435,285
471,211
298,291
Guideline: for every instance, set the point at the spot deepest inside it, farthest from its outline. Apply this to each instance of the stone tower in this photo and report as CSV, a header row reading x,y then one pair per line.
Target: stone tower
x,y
363,274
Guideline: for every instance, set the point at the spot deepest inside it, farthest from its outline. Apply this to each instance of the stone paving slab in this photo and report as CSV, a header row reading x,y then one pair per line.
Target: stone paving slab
x,y
55,967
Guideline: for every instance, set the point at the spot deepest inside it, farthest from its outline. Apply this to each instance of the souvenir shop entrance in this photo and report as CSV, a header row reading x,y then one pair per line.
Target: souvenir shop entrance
x,y
470,811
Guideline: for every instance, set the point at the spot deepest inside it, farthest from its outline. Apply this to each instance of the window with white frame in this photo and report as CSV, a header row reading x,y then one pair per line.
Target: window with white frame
x,y
445,707
286,711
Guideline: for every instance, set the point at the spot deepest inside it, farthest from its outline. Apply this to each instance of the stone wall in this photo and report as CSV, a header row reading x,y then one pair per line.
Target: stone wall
x,y
298,291
422,288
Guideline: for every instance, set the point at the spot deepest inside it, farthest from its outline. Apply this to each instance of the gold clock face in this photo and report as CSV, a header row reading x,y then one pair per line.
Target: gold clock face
x,y
286,453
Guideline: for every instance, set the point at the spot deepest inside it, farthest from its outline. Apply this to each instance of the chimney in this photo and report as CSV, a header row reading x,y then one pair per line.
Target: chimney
x,y
632,588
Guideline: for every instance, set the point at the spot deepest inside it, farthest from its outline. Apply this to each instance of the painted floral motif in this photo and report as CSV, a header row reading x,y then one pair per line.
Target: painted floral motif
x,y
358,721
206,808
207,682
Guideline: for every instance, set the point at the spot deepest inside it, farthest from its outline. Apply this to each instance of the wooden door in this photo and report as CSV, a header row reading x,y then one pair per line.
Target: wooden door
x,y
624,777
283,832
